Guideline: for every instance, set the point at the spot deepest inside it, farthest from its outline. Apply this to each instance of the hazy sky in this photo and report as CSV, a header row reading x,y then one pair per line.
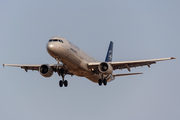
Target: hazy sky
x,y
139,29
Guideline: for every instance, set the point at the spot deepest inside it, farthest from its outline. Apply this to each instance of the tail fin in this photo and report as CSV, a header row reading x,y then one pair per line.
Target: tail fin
x,y
109,53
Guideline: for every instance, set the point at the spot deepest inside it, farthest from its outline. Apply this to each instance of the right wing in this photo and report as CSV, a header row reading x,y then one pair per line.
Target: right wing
x,y
25,67
55,67
30,67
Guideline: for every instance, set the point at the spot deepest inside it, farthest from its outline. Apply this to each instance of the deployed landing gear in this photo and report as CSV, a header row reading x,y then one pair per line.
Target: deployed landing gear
x,y
65,83
105,82
102,81
62,82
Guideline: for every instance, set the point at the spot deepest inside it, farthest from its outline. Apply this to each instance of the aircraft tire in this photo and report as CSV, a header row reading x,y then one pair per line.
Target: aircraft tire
x,y
60,83
105,82
100,82
65,83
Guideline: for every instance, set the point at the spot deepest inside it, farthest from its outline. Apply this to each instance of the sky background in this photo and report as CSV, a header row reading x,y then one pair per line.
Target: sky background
x,y
140,29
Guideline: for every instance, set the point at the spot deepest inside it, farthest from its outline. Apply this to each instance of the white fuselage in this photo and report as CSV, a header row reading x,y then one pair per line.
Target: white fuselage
x,y
73,58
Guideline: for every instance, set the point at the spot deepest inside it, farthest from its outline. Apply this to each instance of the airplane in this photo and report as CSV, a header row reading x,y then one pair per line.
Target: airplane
x,y
77,62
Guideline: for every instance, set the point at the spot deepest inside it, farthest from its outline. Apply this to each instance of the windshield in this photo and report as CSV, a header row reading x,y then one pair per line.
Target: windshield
x,y
56,40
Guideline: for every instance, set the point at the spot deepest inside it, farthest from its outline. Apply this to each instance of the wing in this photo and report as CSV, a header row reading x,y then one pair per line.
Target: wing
x,y
55,67
129,64
25,67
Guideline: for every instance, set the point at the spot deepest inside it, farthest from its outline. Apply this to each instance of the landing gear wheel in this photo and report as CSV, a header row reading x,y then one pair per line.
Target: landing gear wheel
x,y
60,83
65,83
100,82
105,82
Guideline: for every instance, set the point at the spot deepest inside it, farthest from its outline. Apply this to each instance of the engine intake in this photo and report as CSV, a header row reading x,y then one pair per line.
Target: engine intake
x,y
105,68
45,70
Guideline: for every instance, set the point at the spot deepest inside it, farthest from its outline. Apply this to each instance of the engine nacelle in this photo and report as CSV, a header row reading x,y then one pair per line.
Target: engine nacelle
x,y
105,68
45,70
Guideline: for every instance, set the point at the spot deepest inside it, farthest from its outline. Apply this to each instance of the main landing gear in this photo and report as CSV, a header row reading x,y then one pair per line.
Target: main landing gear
x,y
104,81
63,82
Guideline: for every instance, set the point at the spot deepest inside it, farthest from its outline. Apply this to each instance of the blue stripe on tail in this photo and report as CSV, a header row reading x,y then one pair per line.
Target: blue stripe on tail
x,y
109,53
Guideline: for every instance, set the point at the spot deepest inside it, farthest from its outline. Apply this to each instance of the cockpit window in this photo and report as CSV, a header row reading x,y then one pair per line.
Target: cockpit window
x,y
61,41
56,40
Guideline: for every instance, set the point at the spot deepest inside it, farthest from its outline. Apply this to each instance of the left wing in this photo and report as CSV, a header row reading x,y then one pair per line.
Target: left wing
x,y
115,75
129,64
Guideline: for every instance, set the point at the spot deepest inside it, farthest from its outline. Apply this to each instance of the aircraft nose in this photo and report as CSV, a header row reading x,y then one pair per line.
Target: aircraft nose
x,y
54,48
51,47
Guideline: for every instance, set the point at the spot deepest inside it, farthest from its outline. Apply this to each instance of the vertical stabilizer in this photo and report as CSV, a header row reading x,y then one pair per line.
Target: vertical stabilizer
x,y
109,53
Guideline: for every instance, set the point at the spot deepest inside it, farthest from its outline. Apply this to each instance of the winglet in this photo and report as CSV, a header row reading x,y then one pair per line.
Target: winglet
x,y
3,65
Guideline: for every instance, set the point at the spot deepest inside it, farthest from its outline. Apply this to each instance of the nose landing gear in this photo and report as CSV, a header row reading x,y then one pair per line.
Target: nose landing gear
x,y
61,73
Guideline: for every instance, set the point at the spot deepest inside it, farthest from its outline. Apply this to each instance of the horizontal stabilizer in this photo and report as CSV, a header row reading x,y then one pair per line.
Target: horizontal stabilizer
x,y
126,74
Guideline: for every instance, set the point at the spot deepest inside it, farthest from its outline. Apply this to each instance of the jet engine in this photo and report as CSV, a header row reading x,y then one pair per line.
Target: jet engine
x,y
105,68
45,70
